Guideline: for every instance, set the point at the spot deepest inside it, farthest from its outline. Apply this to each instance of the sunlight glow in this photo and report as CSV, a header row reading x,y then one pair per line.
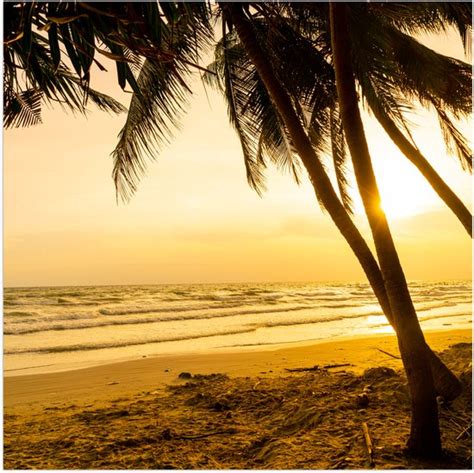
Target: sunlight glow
x,y
404,204
404,192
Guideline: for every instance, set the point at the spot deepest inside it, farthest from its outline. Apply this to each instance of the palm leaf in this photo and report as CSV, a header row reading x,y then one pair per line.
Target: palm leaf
x,y
235,93
153,116
340,158
456,143
22,109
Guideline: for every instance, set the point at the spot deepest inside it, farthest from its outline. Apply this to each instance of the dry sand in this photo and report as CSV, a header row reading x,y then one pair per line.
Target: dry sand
x,y
255,414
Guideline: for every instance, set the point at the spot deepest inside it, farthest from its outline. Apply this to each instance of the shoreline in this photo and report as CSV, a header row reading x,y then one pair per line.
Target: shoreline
x,y
128,378
51,368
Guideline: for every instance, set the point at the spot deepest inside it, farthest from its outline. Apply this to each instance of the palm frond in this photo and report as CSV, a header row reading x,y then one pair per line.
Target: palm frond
x,y
456,143
392,68
235,93
46,83
306,76
404,68
22,109
153,116
104,102
258,124
340,158
428,17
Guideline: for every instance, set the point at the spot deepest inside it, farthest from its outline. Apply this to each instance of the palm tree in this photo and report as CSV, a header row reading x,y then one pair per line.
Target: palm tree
x,y
424,436
169,36
263,136
389,261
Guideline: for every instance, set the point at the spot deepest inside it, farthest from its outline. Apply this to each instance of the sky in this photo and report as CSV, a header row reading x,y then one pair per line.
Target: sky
x,y
195,219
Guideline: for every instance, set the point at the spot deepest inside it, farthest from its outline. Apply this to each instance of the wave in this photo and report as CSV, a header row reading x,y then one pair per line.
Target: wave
x,y
100,346
434,305
12,302
443,316
158,309
174,318
433,317
308,321
99,323
20,313
47,303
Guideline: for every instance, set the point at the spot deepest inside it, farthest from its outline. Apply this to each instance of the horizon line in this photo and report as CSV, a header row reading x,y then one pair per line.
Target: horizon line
x,y
329,281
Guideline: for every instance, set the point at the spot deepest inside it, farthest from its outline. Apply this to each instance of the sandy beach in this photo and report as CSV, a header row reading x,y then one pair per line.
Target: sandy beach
x,y
132,377
50,418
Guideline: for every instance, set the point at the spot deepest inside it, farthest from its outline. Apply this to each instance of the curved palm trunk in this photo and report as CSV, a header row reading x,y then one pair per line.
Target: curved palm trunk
x,y
447,384
428,172
424,438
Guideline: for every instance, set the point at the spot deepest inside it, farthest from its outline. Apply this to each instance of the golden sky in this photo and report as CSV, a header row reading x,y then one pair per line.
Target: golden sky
x,y
194,219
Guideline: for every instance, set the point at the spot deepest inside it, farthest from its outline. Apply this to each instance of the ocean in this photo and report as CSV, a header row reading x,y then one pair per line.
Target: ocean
x,y
49,329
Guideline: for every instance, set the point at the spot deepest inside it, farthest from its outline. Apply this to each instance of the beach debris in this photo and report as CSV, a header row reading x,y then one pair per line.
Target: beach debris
x,y
319,368
337,365
389,354
362,400
169,434
102,414
112,383
210,377
303,418
299,421
220,406
461,345
338,465
185,375
368,443
298,370
466,432
379,372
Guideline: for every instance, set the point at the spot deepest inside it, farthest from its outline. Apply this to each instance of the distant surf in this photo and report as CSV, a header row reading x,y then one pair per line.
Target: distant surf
x,y
50,329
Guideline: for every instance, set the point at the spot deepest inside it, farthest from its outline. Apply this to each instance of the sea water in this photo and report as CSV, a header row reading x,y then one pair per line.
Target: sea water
x,y
50,329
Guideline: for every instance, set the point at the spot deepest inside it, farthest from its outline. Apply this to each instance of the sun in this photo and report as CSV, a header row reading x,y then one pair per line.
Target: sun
x,y
403,190
405,203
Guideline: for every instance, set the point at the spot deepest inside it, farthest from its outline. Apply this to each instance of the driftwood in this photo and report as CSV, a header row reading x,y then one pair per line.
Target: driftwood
x,y
368,443
297,370
318,368
389,354
337,365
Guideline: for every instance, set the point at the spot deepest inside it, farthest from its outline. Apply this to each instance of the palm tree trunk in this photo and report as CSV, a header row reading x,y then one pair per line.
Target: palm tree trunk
x,y
447,385
428,172
424,438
